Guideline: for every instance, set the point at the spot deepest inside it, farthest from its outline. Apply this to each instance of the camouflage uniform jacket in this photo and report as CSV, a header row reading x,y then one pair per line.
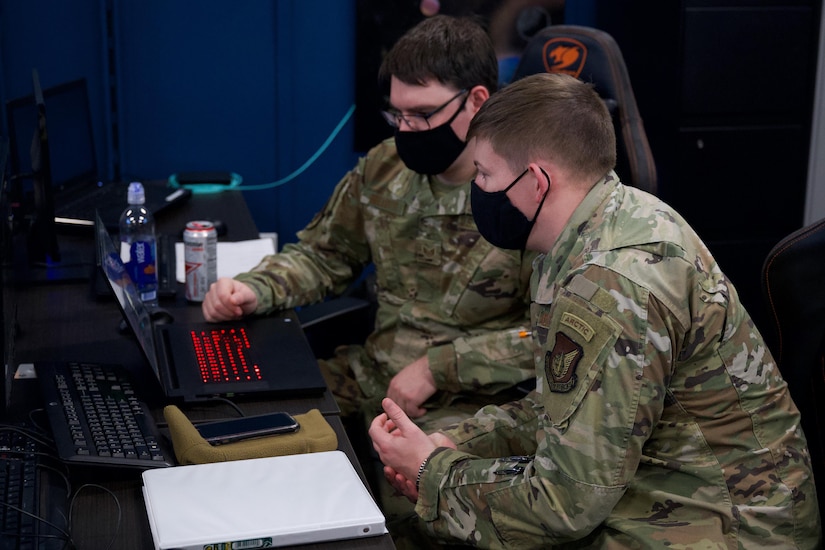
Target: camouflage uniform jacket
x,y
443,291
659,418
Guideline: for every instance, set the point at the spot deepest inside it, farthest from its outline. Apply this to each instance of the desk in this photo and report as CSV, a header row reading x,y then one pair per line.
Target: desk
x,y
62,321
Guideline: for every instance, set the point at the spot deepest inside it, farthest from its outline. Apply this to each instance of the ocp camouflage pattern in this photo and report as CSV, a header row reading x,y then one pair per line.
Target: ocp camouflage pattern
x,y
660,419
442,290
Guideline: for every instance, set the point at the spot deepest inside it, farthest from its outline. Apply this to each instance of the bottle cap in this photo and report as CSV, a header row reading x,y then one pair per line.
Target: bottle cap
x,y
136,195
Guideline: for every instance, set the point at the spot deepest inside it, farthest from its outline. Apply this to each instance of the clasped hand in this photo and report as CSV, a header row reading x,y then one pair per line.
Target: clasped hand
x,y
412,386
402,447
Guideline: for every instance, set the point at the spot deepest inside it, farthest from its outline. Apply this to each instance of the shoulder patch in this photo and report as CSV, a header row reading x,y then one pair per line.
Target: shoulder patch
x,y
578,324
560,364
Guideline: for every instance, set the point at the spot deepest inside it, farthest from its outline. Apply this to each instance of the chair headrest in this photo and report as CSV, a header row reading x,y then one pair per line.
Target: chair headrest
x,y
586,53
593,56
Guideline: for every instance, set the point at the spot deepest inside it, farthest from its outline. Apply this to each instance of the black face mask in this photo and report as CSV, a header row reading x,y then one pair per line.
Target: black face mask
x,y
498,221
430,151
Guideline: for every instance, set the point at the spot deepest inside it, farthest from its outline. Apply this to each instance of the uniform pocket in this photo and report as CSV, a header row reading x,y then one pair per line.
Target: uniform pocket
x,y
492,289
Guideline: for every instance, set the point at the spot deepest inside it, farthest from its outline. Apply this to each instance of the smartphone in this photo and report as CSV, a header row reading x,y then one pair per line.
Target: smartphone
x,y
247,427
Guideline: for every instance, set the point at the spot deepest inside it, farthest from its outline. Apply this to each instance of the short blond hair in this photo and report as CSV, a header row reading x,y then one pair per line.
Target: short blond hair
x,y
552,116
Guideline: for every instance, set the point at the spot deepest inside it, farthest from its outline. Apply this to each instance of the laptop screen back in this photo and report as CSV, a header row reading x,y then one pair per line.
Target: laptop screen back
x,y
126,293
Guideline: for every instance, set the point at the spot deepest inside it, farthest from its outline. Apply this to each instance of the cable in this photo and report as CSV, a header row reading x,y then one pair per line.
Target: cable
x,y
114,497
230,403
210,401
37,427
62,476
9,452
309,161
65,535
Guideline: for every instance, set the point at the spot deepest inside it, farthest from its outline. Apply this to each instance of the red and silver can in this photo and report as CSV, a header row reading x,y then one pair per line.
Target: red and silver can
x,y
200,255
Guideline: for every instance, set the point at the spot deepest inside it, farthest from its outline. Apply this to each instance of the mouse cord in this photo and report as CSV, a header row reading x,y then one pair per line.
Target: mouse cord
x,y
114,498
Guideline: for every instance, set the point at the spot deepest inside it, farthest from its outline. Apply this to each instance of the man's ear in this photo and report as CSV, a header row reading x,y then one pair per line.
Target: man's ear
x,y
478,95
541,178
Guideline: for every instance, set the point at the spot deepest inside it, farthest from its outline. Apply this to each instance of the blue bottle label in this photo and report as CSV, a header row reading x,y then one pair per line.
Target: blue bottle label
x,y
141,268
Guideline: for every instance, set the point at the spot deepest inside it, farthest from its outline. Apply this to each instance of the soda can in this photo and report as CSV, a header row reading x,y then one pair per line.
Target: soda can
x,y
200,256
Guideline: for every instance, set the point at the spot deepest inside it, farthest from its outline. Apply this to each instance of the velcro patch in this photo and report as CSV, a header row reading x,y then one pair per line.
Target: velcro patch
x,y
560,364
428,252
578,324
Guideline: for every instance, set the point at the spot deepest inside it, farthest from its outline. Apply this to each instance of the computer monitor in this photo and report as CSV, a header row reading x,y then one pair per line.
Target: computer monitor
x,y
70,125
40,171
42,245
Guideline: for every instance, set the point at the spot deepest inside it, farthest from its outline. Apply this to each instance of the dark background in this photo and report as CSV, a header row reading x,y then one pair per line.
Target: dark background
x,y
725,87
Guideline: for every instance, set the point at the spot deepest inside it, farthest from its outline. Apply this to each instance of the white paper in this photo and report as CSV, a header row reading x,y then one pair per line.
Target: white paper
x,y
233,257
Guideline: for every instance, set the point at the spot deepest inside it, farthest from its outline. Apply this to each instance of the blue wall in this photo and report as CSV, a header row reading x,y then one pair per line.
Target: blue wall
x,y
249,87
64,41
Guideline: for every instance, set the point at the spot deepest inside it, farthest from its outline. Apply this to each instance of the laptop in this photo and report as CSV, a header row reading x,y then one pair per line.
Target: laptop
x,y
200,361
66,136
260,503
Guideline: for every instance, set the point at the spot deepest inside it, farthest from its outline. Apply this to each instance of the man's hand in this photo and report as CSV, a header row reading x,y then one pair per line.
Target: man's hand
x,y
228,299
413,385
406,486
402,447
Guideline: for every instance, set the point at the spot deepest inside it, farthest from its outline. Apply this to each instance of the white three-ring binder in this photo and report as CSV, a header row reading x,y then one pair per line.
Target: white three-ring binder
x,y
259,503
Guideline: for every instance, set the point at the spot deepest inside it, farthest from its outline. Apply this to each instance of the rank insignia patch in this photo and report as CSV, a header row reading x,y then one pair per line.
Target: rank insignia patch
x,y
560,364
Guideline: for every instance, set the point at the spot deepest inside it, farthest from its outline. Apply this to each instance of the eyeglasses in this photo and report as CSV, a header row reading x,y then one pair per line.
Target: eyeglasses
x,y
419,121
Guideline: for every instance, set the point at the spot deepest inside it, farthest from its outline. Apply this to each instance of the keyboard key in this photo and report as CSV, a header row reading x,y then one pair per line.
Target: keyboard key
x,y
20,489
96,418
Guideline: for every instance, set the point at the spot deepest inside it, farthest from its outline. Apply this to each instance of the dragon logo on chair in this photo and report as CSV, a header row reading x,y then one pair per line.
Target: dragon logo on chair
x,y
564,55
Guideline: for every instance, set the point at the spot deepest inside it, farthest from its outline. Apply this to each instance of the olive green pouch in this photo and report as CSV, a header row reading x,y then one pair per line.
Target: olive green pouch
x,y
315,434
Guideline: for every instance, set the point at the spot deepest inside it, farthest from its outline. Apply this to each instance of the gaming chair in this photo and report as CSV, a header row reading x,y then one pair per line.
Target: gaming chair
x,y
593,56
793,285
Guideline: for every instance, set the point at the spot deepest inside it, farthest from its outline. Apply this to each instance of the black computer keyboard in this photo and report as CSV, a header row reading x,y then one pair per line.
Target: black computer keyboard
x,y
33,498
96,418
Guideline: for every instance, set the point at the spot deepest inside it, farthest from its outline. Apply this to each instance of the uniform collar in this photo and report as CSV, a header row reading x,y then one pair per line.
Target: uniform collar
x,y
569,245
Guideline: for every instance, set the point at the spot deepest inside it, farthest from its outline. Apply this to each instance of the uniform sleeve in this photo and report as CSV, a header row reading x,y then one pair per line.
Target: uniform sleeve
x,y
485,363
605,358
330,253
500,430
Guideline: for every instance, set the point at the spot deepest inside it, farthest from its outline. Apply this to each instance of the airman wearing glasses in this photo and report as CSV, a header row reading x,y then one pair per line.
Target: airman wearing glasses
x,y
452,310
419,121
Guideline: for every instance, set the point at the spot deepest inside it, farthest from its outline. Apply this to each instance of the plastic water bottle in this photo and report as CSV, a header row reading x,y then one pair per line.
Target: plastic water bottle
x,y
137,244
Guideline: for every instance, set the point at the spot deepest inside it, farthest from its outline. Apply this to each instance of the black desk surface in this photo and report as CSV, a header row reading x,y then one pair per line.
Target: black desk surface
x,y
64,321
